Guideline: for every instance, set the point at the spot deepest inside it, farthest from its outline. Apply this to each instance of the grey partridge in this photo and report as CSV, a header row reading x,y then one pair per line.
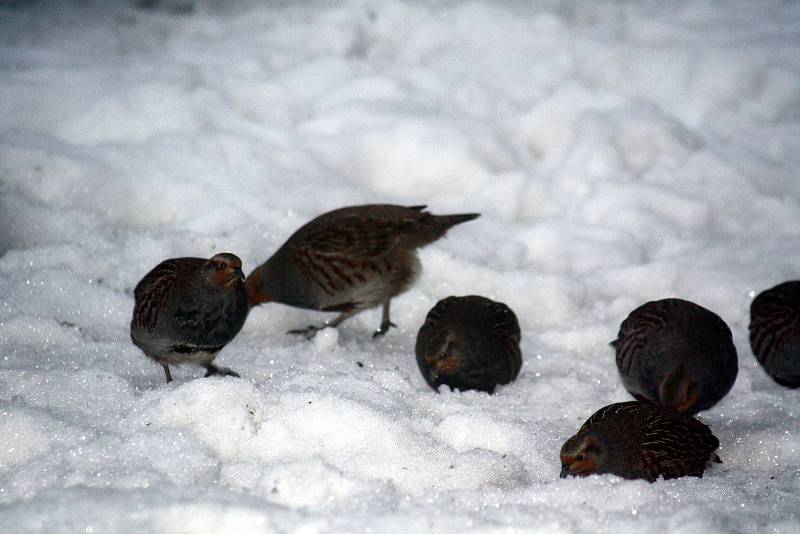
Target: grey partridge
x,y
469,343
639,440
187,309
775,332
677,354
349,260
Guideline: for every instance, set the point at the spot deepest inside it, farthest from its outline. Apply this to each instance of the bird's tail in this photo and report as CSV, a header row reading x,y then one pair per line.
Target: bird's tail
x,y
438,225
451,220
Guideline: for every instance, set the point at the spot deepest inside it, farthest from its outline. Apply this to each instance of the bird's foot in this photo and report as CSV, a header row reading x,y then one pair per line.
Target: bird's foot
x,y
214,370
383,329
309,332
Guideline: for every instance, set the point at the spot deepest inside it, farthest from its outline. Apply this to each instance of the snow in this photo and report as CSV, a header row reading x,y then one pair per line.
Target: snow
x,y
619,153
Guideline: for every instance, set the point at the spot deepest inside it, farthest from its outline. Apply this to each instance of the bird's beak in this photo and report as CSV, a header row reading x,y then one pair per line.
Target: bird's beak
x,y
235,276
564,471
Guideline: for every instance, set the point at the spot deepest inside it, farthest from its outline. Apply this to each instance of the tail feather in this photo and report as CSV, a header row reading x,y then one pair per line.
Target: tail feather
x,y
432,227
452,220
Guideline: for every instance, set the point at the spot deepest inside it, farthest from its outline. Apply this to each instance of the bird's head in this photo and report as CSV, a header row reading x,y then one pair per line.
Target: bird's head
x,y
224,270
443,358
583,455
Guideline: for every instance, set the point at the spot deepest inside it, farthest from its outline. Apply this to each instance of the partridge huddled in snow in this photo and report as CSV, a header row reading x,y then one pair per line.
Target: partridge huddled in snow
x,y
639,440
775,332
677,354
469,343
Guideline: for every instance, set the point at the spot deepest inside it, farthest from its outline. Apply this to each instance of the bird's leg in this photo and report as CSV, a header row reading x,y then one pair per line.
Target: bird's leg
x,y
166,371
212,370
386,323
342,317
312,330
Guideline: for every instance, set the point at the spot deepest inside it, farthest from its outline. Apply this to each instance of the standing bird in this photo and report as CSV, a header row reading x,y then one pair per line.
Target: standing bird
x,y
677,354
469,343
349,260
638,440
187,309
775,332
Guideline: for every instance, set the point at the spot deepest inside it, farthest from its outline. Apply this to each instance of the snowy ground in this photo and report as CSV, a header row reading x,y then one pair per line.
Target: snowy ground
x,y
618,152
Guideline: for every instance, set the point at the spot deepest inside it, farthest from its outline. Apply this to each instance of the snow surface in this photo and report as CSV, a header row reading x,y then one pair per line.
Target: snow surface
x,y
619,152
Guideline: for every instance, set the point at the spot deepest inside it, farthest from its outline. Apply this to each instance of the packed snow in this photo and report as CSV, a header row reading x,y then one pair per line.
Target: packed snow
x,y
619,152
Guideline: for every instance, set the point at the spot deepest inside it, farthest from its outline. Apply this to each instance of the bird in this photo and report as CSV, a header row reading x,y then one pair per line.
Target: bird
x,y
468,343
677,354
639,440
775,332
187,309
349,260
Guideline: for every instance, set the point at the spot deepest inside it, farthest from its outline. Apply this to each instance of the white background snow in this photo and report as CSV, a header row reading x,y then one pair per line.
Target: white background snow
x,y
619,152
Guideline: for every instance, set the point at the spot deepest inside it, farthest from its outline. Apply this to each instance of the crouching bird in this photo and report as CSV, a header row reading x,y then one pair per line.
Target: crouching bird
x,y
469,343
677,354
349,260
639,440
187,309
775,332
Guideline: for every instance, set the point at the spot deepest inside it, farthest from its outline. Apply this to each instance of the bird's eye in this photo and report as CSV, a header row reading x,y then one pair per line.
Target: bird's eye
x,y
220,266
580,457
442,355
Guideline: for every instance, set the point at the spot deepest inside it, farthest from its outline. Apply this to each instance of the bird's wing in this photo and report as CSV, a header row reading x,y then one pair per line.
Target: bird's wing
x,y
675,446
357,236
153,292
504,322
506,328
349,251
611,409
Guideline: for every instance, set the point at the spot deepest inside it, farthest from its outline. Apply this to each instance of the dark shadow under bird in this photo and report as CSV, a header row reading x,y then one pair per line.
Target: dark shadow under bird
x,y
775,332
677,354
349,260
639,440
187,309
469,343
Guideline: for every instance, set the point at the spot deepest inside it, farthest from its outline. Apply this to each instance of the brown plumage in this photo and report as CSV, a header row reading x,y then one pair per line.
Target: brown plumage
x,y
469,343
349,260
639,440
775,332
187,309
677,354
